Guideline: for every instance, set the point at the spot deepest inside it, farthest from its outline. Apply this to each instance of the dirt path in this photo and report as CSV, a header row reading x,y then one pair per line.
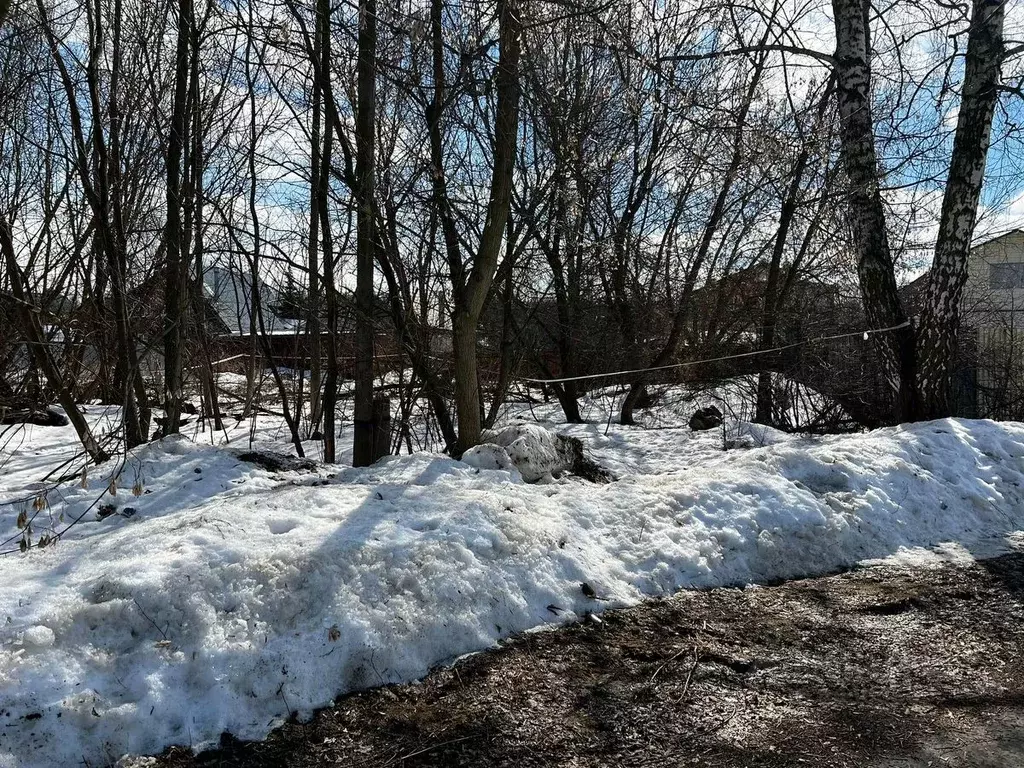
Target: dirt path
x,y
885,666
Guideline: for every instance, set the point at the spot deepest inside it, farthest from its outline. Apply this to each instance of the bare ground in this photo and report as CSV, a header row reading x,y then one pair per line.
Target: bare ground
x,y
883,666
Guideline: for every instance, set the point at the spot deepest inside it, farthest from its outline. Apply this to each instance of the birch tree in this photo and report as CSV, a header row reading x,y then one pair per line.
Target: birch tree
x,y
917,361
940,320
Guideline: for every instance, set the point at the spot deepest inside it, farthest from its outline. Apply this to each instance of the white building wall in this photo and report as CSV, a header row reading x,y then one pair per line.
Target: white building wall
x,y
993,307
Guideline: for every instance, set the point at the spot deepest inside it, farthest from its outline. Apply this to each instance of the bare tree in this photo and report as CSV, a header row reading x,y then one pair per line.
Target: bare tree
x,y
940,320
471,283
176,266
776,282
366,69
97,150
917,364
39,349
710,230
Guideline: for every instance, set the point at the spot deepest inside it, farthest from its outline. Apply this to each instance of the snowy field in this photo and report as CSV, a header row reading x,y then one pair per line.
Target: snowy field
x,y
216,596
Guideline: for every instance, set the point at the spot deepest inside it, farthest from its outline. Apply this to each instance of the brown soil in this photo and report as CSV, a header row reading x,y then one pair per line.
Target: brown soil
x,y
884,666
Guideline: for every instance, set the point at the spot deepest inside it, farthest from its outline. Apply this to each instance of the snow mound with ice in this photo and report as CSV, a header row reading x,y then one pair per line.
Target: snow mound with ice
x,y
490,456
539,454
234,596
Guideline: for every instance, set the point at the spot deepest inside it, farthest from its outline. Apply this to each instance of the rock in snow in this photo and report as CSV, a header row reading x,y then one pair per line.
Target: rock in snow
x,y
47,417
39,636
532,449
274,461
706,418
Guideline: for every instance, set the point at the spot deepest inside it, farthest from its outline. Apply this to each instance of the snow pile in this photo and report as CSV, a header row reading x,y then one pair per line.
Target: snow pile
x,y
535,451
744,434
233,596
538,454
490,456
534,454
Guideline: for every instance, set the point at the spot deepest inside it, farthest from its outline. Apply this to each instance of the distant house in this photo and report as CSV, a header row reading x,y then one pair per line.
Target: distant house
x,y
230,293
228,315
992,324
281,324
729,310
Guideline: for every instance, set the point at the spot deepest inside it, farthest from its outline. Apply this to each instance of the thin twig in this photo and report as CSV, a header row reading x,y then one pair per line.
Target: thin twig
x,y
689,675
432,747
674,656
146,616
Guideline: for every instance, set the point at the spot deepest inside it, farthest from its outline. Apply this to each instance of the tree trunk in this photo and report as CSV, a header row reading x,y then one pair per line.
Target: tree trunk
x,y
111,224
207,375
940,319
505,361
330,394
867,215
313,329
470,300
568,396
175,271
366,77
467,398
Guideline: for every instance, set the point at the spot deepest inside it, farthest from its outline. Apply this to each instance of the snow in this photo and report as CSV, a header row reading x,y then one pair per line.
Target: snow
x,y
38,636
232,596
531,449
489,456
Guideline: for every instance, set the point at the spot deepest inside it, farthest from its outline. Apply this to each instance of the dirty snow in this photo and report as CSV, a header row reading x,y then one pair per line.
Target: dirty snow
x,y
224,597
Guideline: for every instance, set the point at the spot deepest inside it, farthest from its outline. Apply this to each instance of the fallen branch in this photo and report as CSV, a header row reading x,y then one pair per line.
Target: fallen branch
x,y
689,675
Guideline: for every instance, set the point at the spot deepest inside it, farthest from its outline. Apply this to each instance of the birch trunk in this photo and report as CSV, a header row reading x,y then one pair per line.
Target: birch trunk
x,y
940,319
866,213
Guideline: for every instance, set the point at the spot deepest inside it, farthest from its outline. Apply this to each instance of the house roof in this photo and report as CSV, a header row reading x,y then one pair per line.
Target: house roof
x,y
146,301
912,294
996,238
230,292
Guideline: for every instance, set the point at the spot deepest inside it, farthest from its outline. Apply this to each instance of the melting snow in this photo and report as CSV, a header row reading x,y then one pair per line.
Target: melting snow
x,y
233,596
